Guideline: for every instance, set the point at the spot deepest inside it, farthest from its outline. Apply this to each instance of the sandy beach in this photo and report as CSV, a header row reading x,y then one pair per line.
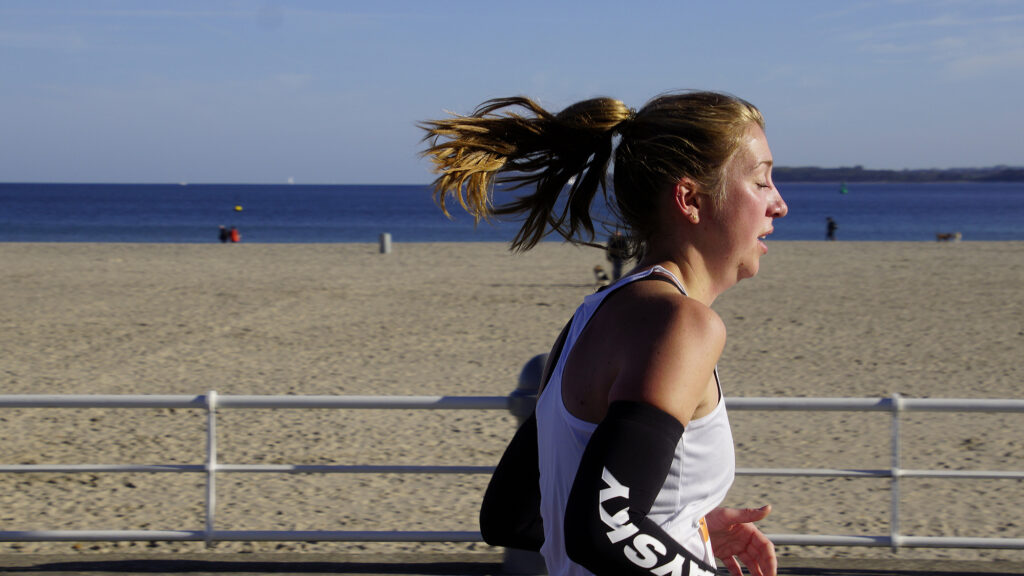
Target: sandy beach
x,y
939,320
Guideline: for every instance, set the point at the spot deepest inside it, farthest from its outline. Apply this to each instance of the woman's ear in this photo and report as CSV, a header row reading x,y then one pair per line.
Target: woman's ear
x,y
688,200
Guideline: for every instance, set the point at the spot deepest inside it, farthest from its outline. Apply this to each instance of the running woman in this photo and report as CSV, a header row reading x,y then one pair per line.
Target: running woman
x,y
625,462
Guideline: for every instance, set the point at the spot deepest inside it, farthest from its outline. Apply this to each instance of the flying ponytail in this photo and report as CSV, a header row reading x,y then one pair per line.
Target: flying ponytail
x,y
550,154
564,159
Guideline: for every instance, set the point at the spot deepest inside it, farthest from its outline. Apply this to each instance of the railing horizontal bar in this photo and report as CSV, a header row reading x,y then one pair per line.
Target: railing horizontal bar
x,y
238,535
99,535
883,473
77,468
961,405
960,542
459,536
813,472
827,540
367,402
480,402
356,469
346,536
249,401
101,401
972,474
265,468
904,541
810,404
877,404
435,469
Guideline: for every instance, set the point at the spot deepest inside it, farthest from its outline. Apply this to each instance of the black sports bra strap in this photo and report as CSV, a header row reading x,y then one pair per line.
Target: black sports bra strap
x,y
661,276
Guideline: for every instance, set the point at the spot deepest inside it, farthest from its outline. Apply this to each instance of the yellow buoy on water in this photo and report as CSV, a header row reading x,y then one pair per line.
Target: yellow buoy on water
x,y
238,208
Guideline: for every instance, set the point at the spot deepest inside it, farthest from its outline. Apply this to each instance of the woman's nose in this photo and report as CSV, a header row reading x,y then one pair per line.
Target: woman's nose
x,y
780,208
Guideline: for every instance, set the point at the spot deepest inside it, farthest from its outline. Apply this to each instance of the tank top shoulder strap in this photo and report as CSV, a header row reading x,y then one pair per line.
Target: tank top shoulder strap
x,y
660,273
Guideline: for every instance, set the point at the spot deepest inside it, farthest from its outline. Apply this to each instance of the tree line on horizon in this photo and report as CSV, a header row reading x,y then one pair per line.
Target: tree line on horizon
x,y
861,174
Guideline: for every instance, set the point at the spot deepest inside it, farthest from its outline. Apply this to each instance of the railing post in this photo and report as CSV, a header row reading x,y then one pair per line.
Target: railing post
x,y
523,399
211,465
521,404
897,471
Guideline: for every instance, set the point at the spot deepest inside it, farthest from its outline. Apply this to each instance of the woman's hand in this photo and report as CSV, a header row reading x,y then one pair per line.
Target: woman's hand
x,y
733,535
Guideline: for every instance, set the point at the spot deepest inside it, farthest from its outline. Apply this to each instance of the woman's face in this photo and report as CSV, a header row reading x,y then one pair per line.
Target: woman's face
x,y
751,204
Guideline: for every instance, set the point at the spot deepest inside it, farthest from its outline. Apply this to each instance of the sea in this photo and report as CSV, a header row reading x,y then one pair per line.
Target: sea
x,y
295,213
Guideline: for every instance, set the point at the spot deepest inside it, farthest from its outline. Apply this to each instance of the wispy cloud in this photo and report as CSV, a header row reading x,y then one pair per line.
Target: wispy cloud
x,y
1001,54
66,42
955,43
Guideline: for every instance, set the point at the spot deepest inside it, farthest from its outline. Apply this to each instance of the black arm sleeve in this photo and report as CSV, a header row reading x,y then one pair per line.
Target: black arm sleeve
x,y
624,465
510,513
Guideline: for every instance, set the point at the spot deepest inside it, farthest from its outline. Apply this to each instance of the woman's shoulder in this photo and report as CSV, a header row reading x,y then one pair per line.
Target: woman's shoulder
x,y
662,304
666,350
654,319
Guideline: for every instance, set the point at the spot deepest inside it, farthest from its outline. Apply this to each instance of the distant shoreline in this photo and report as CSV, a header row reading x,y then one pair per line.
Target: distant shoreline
x,y
861,174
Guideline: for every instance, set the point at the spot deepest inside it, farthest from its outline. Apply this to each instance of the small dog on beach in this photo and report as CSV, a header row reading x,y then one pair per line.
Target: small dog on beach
x,y
949,237
601,278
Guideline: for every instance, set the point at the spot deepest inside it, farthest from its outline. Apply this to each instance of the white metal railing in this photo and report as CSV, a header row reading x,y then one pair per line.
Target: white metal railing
x,y
211,403
520,403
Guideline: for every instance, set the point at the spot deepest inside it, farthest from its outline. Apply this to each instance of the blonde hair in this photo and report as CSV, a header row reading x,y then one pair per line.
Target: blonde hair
x,y
690,134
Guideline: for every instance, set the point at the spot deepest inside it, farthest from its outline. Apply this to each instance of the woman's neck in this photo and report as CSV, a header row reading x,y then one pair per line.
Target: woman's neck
x,y
690,269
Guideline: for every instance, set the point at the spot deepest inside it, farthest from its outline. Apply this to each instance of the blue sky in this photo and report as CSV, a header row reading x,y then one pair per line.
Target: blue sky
x,y
330,91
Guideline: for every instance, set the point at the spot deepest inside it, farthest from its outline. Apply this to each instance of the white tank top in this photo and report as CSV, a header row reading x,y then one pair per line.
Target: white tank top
x,y
702,469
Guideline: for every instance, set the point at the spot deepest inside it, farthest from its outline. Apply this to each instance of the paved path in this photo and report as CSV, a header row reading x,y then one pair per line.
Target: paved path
x,y
423,565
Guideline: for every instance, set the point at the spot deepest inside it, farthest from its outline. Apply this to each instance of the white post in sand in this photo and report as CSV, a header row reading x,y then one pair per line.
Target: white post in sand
x,y
385,243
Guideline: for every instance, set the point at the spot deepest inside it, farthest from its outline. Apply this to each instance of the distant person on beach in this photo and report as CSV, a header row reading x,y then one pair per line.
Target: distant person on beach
x,y
617,252
623,465
235,235
223,235
830,229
